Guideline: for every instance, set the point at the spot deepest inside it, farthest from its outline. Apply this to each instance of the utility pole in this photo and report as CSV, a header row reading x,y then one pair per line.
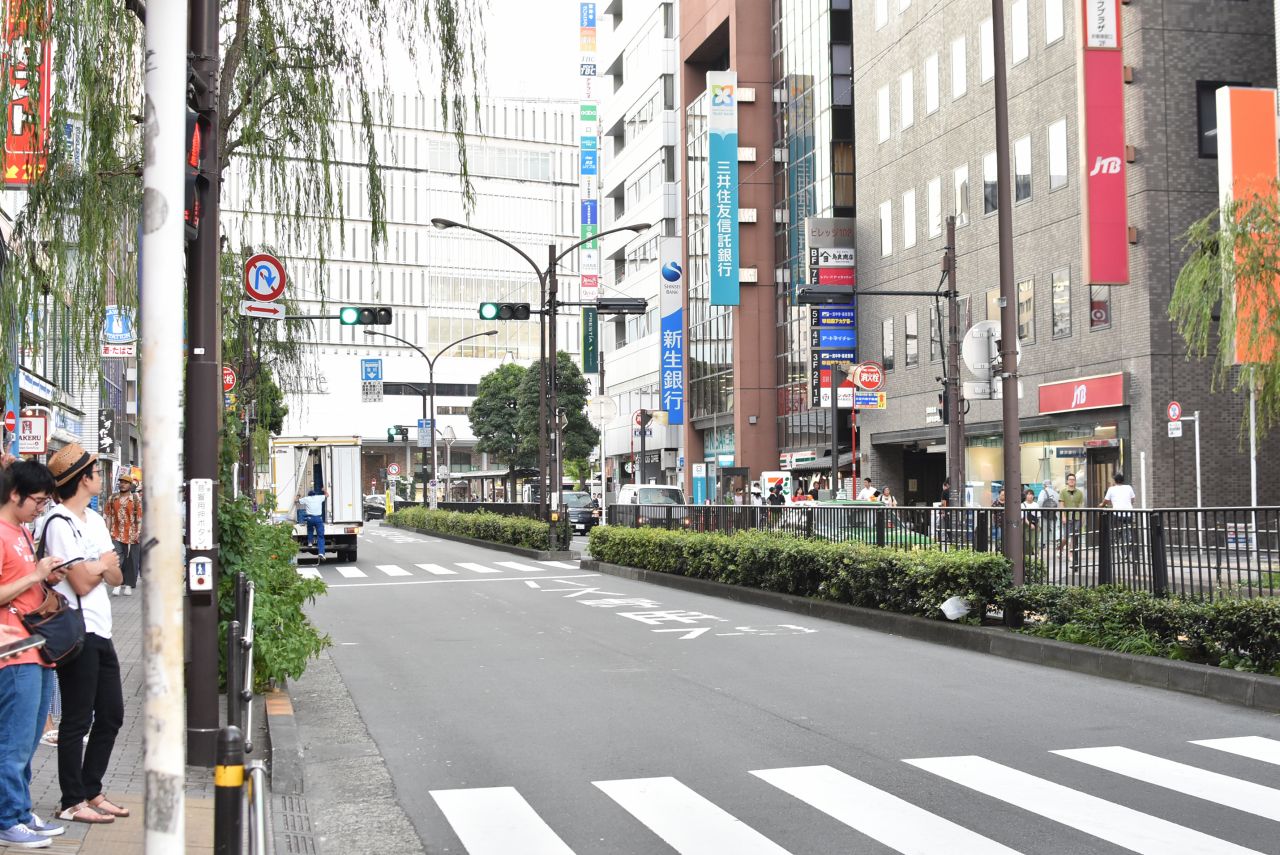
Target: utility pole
x,y
604,478
162,234
203,411
954,386
553,404
543,318
643,420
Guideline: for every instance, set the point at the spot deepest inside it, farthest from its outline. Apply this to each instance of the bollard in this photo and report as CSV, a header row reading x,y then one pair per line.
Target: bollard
x,y
1104,548
228,781
981,537
882,533
234,677
1159,562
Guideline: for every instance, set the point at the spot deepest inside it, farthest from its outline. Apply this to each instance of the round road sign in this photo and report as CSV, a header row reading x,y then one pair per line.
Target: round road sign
x,y
393,469
263,278
603,410
869,376
1175,411
10,421
228,378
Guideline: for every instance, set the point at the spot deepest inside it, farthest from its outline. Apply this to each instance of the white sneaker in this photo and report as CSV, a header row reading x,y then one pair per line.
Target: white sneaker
x,y
128,590
115,592
21,837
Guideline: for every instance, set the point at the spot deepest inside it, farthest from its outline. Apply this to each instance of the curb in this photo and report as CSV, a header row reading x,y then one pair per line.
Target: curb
x,y
1256,691
285,744
523,551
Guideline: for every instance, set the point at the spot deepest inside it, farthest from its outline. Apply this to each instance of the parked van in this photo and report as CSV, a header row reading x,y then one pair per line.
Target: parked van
x,y
650,494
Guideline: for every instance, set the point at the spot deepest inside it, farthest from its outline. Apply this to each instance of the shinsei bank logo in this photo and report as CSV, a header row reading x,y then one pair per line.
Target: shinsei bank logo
x,y
1106,166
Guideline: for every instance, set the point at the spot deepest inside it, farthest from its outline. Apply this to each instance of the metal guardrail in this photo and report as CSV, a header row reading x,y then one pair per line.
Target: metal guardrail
x,y
1199,552
258,842
240,634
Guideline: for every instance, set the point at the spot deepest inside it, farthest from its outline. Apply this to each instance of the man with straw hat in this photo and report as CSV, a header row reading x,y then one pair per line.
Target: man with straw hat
x,y
124,517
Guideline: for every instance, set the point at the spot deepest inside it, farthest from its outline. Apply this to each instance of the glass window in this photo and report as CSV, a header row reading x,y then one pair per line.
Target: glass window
x,y
886,229
886,344
935,207
930,83
961,187
959,78
1099,307
1021,46
1061,303
1207,114
883,97
993,304
1053,22
882,13
988,49
912,353
909,219
1022,169
1027,311
907,96
1058,154
990,196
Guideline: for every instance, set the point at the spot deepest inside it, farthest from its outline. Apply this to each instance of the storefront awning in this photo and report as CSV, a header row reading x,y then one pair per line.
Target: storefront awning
x,y
823,464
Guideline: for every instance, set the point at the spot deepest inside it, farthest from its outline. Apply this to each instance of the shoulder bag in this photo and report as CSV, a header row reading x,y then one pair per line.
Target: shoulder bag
x,y
61,626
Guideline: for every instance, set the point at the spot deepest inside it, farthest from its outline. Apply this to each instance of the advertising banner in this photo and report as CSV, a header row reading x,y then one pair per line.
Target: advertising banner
x,y
829,247
722,181
590,340
1104,212
838,317
1085,393
671,343
26,119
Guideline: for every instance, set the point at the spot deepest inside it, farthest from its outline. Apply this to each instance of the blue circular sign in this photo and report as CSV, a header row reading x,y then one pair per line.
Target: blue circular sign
x,y
671,271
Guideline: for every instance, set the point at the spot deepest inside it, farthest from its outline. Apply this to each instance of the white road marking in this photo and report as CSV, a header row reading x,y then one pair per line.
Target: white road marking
x,y
560,564
393,570
498,821
1125,827
881,816
1181,778
436,569
689,823
453,581
309,572
351,572
691,633
532,584
1253,747
478,568
516,565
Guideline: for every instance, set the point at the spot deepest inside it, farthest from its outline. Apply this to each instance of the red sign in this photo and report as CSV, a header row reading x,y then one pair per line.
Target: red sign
x,y
869,376
264,278
26,120
1175,411
1104,214
1086,393
835,275
228,378
10,421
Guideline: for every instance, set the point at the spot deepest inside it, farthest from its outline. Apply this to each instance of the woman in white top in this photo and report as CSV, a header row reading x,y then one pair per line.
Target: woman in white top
x,y
1029,507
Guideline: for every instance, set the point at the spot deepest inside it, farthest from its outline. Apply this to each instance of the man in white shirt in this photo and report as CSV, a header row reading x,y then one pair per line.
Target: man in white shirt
x,y
867,491
1119,495
313,507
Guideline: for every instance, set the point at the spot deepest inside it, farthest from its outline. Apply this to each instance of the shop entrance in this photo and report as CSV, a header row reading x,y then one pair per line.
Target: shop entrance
x,y
922,475
1102,463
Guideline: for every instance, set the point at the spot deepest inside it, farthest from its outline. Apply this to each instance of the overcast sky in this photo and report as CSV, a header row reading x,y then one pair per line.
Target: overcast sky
x,y
532,48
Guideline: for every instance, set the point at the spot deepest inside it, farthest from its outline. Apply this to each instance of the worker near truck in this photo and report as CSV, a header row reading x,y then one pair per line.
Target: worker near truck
x,y
313,508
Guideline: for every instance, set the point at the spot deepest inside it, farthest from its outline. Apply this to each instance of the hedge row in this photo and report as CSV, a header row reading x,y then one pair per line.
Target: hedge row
x,y
480,525
914,583
1243,634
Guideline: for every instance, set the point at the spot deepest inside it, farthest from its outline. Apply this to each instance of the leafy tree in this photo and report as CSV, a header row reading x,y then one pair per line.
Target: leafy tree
x,y
580,470
580,437
495,423
1240,243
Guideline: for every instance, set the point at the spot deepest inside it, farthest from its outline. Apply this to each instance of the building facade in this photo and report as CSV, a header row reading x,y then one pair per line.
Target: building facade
x,y
1100,364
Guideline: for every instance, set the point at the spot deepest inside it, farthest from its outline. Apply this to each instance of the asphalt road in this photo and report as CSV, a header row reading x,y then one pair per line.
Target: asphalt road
x,y
525,708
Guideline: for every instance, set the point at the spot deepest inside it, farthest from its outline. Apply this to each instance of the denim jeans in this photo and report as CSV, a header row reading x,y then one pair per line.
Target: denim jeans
x,y
91,696
24,701
315,523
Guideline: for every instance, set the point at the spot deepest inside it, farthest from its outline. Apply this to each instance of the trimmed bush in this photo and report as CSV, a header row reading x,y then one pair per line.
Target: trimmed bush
x,y
480,525
915,583
1243,634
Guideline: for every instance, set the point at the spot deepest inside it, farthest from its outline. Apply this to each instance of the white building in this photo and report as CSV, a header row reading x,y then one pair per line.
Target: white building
x,y
640,183
524,171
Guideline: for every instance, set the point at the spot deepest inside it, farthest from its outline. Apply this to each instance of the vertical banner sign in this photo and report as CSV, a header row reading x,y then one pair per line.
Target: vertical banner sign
x,y
722,180
590,340
1248,168
1105,220
26,119
588,156
671,345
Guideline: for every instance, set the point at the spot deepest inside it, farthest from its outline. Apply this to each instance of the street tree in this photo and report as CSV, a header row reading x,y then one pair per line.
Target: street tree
x,y
1226,300
580,437
494,420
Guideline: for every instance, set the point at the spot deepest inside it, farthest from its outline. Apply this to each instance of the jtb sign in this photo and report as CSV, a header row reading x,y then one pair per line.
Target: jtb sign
x,y
1105,214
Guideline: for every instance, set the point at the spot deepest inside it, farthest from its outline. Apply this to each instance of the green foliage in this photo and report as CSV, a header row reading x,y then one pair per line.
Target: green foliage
x,y
579,469
480,525
912,582
285,639
580,437
494,423
1243,634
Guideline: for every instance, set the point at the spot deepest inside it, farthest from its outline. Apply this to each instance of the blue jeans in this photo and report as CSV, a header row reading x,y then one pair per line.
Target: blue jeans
x,y
315,524
24,702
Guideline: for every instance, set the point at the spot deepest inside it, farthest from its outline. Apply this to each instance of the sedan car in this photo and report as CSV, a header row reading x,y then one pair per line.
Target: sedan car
x,y
583,510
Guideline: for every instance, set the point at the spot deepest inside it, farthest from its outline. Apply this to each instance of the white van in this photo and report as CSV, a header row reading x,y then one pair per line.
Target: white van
x,y
650,494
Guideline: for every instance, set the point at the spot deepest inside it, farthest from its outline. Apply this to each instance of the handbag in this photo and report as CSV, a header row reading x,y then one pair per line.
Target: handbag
x,y
61,626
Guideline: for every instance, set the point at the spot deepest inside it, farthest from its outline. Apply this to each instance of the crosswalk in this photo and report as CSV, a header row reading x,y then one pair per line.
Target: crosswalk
x,y
493,820
336,573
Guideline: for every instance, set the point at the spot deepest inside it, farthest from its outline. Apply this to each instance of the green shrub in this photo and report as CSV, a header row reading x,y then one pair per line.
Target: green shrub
x,y
1243,634
480,525
285,639
915,582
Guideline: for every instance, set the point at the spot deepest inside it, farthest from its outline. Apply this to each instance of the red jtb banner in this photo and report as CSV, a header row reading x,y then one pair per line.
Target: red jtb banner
x,y
1085,393
1104,209
25,65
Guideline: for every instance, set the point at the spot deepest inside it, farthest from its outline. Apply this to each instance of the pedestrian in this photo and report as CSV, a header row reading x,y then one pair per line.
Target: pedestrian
x,y
867,490
313,508
26,682
1048,500
1072,520
887,497
92,698
775,496
997,516
124,518
1030,510
1120,496
946,493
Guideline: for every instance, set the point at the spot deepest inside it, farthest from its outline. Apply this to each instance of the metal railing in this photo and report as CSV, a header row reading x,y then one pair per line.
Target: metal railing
x,y
240,635
258,842
1199,552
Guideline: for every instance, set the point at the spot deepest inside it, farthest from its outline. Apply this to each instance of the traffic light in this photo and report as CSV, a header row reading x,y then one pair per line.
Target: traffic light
x,y
364,315
504,311
643,418
944,405
195,186
398,433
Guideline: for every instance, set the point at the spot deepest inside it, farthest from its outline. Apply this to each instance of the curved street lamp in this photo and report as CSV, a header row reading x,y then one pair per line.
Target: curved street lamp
x,y
548,289
431,381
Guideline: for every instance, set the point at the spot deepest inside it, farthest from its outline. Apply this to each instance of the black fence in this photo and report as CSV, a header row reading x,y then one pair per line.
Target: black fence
x,y
1205,553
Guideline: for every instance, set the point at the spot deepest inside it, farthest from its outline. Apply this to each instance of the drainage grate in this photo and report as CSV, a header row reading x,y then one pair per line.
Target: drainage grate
x,y
291,826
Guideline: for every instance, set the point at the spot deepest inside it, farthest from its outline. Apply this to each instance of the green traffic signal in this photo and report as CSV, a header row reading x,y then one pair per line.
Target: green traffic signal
x,y
364,315
504,311
489,311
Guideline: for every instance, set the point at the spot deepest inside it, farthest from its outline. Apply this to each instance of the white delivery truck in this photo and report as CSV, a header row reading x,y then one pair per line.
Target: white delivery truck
x,y
300,464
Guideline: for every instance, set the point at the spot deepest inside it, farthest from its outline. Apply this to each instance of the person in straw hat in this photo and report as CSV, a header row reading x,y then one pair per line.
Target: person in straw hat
x,y
92,698
124,517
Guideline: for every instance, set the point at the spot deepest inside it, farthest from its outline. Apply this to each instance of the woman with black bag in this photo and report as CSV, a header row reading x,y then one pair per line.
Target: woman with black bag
x,y
26,680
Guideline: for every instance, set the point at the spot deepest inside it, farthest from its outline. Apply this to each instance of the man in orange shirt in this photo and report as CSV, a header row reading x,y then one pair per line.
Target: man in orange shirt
x,y
124,517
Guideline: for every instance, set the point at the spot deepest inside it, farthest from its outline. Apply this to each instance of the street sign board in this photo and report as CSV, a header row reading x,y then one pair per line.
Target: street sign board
x,y
869,376
603,410
1175,412
228,378
371,369
1175,429
10,421
393,469
870,400
201,510
371,391
118,326
257,309
424,433
836,256
110,350
33,435
845,339
264,278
